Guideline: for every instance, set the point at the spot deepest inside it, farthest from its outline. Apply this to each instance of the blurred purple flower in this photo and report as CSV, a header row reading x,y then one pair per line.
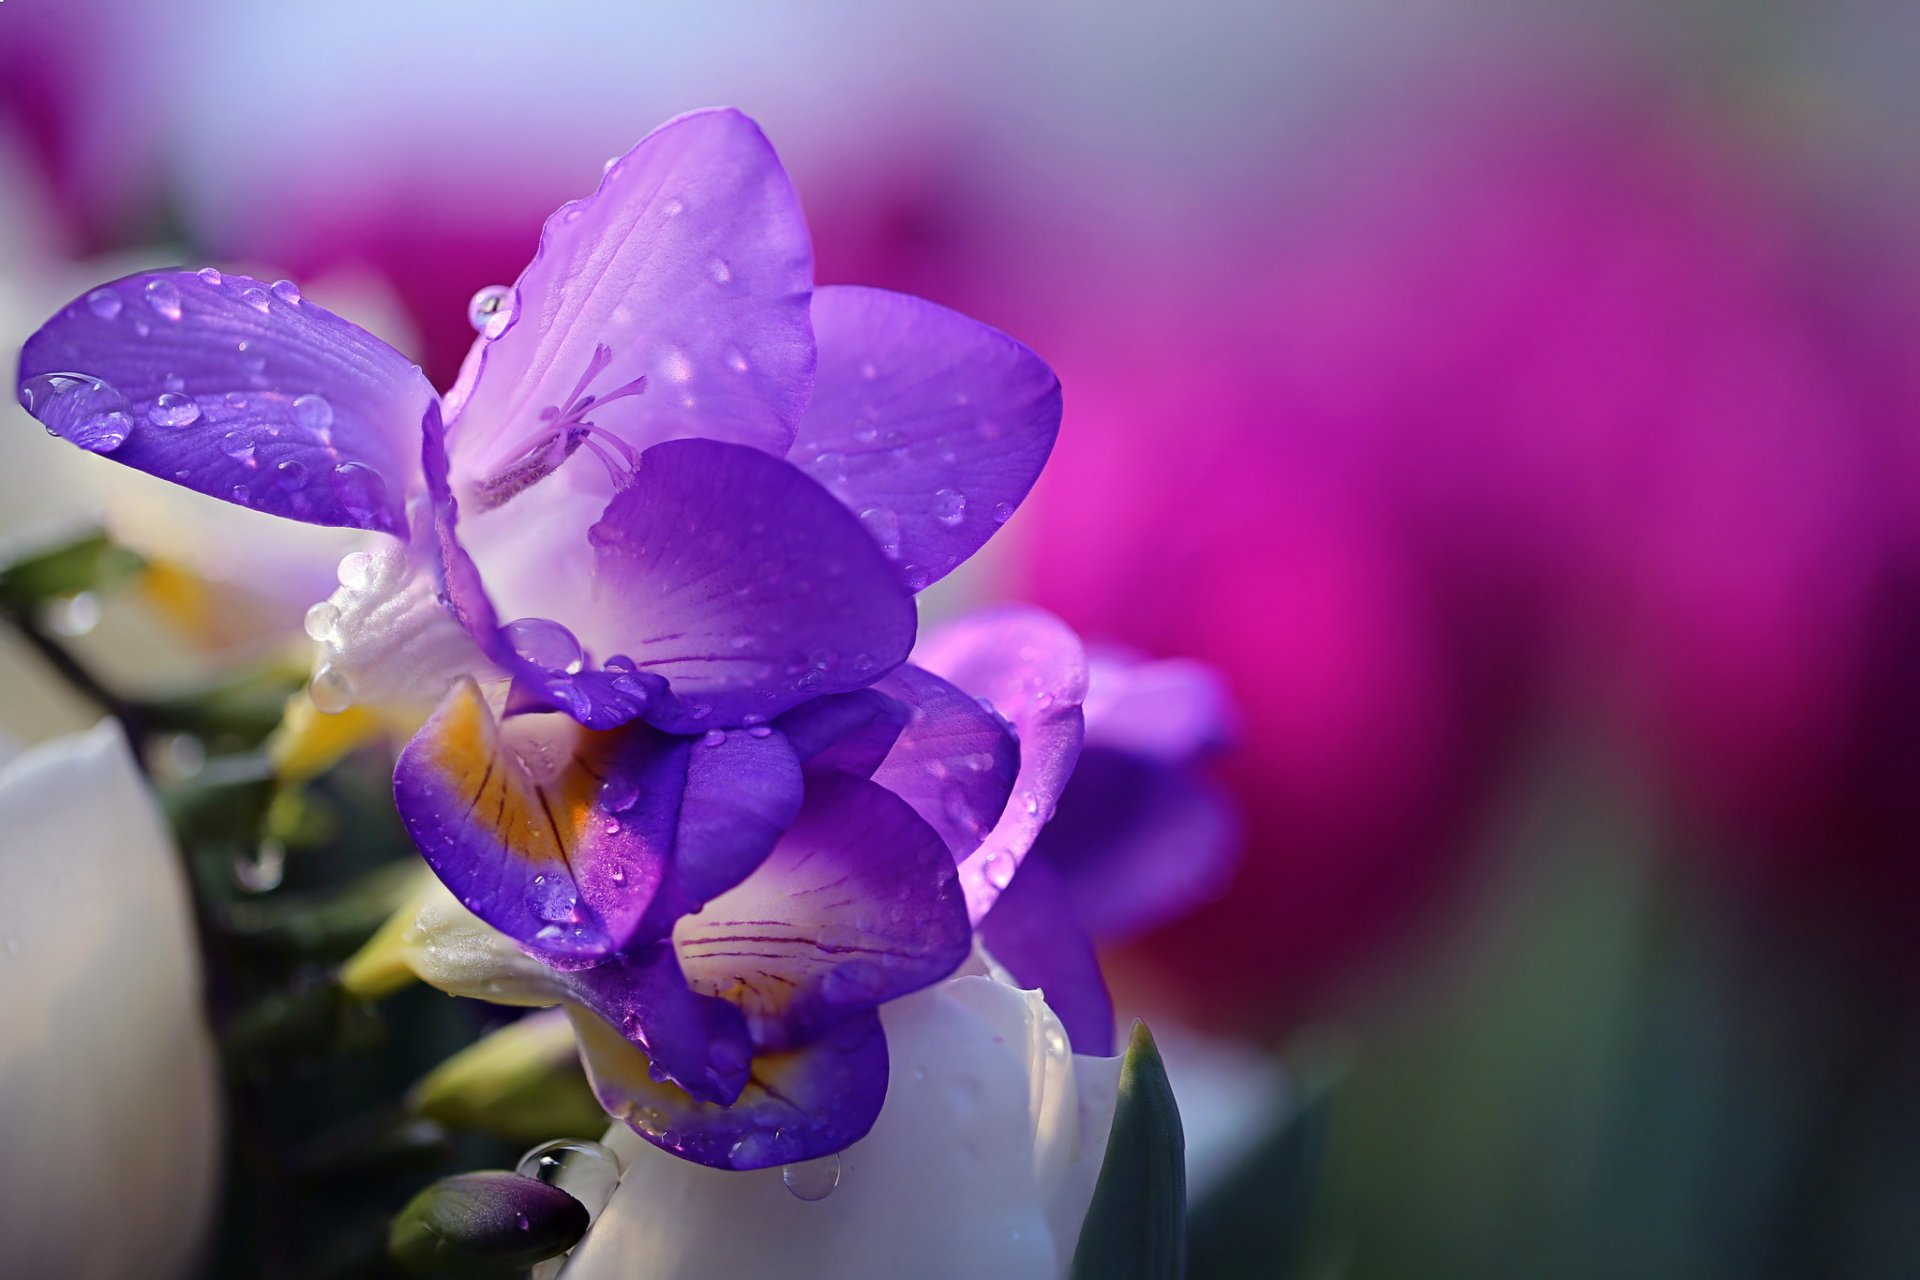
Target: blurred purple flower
x,y
1141,836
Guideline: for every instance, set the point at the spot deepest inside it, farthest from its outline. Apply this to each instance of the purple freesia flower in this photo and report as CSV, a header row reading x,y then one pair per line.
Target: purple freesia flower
x,y
658,545
734,1021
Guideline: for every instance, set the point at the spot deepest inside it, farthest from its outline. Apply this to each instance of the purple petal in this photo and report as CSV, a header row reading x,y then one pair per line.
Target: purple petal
x,y
797,1105
851,732
695,1045
932,426
954,762
236,389
744,585
689,267
1137,842
1173,709
623,831
857,904
1030,666
1036,936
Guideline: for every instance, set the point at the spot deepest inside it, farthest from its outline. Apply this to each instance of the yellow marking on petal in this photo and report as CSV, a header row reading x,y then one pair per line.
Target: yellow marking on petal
x,y
542,822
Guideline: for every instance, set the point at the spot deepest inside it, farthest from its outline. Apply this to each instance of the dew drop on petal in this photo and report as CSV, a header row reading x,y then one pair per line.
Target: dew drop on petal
x,y
330,690
209,276
949,507
104,303
884,524
355,571
164,297
287,291
998,868
173,409
257,299
618,794
545,643
360,488
586,1171
491,310
1002,512
812,1180
720,271
292,474
237,445
714,737
322,621
312,412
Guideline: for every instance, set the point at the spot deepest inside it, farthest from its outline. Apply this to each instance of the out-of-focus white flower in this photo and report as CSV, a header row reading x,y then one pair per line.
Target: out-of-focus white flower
x,y
109,1102
982,1163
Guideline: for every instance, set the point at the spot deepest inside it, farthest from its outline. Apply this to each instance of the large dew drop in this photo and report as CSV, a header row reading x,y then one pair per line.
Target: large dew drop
x,y
586,1171
812,1180
84,410
491,310
545,643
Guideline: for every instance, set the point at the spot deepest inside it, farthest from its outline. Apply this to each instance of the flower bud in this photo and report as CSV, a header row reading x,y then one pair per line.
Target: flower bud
x,y
486,1222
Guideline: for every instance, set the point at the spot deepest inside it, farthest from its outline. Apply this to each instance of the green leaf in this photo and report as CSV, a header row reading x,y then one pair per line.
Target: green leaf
x,y
87,563
1136,1227
486,1223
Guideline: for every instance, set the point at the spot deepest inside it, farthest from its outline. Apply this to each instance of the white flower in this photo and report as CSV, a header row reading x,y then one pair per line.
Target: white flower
x,y
982,1163
109,1102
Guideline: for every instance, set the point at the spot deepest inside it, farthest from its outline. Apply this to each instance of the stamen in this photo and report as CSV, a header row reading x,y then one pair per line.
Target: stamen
x,y
567,428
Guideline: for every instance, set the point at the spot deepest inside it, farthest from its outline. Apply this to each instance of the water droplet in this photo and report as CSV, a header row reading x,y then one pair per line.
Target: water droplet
x,y
84,410
999,869
949,507
312,413
618,794
330,690
490,310
164,297
292,473
813,1179
545,643
104,303
173,409
257,299
586,1171
355,571
1002,512
360,488
884,524
720,270
916,575
264,871
74,615
759,731
242,494
830,468
209,276
714,737
287,291
322,621
237,445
